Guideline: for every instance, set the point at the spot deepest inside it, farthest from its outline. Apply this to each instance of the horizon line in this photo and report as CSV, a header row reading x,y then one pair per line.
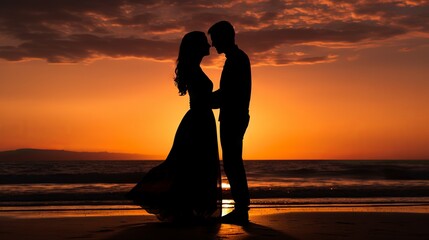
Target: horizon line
x,y
149,157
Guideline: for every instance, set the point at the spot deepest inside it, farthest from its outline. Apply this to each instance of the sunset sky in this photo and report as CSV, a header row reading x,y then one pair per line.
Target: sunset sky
x,y
331,79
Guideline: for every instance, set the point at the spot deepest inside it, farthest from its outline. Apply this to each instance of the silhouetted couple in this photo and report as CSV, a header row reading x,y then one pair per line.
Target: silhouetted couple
x,y
187,185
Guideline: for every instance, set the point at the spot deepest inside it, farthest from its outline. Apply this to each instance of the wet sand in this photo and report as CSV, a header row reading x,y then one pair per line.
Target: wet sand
x,y
338,222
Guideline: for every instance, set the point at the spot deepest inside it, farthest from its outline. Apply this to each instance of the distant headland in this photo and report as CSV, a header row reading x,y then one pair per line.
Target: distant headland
x,y
29,154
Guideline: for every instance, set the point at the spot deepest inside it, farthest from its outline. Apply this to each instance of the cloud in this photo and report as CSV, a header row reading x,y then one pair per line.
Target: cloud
x,y
344,33
281,59
75,31
77,48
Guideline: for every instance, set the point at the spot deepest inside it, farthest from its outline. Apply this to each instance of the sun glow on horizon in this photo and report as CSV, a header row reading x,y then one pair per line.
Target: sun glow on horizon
x,y
295,114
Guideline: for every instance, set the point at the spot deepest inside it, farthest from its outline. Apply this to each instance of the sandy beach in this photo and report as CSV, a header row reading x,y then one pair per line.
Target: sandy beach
x,y
339,222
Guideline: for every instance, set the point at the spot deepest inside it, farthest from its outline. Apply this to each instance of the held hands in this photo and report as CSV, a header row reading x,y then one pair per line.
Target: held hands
x,y
215,101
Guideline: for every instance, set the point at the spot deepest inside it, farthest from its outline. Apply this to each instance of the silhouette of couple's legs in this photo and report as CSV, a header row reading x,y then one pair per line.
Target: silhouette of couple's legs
x,y
231,135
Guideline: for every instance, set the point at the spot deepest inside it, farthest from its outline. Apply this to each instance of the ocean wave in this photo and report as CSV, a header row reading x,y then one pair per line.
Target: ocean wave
x,y
104,181
111,192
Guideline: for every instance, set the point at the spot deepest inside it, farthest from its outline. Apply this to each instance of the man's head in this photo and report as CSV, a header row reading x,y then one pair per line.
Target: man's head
x,y
222,35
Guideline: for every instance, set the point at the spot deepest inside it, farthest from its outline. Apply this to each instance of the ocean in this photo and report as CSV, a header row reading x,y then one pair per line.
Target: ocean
x,y
271,183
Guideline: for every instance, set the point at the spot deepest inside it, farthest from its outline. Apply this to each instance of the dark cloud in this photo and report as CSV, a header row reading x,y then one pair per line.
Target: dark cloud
x,y
78,48
347,33
69,31
264,39
74,31
412,16
277,59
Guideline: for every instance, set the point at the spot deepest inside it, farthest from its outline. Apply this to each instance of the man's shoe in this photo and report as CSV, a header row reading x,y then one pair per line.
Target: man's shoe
x,y
236,217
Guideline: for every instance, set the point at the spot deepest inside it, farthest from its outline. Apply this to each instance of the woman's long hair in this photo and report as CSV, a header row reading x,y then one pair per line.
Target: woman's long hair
x,y
187,53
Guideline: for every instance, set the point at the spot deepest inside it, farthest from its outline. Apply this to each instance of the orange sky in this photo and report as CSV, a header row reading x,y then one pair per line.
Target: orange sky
x,y
330,81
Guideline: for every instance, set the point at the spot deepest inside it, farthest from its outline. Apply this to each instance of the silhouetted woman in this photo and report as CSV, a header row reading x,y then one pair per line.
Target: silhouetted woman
x,y
186,186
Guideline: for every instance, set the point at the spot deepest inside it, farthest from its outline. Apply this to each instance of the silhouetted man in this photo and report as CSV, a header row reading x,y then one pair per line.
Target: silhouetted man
x,y
233,99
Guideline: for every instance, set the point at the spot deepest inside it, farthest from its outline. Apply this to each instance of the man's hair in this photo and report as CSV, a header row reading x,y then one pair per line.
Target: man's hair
x,y
224,29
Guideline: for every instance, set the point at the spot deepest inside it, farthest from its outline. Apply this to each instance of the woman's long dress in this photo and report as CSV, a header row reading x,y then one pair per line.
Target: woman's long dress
x,y
187,186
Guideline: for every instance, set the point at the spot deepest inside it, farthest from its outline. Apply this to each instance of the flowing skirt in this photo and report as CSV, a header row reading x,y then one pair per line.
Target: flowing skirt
x,y
187,185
